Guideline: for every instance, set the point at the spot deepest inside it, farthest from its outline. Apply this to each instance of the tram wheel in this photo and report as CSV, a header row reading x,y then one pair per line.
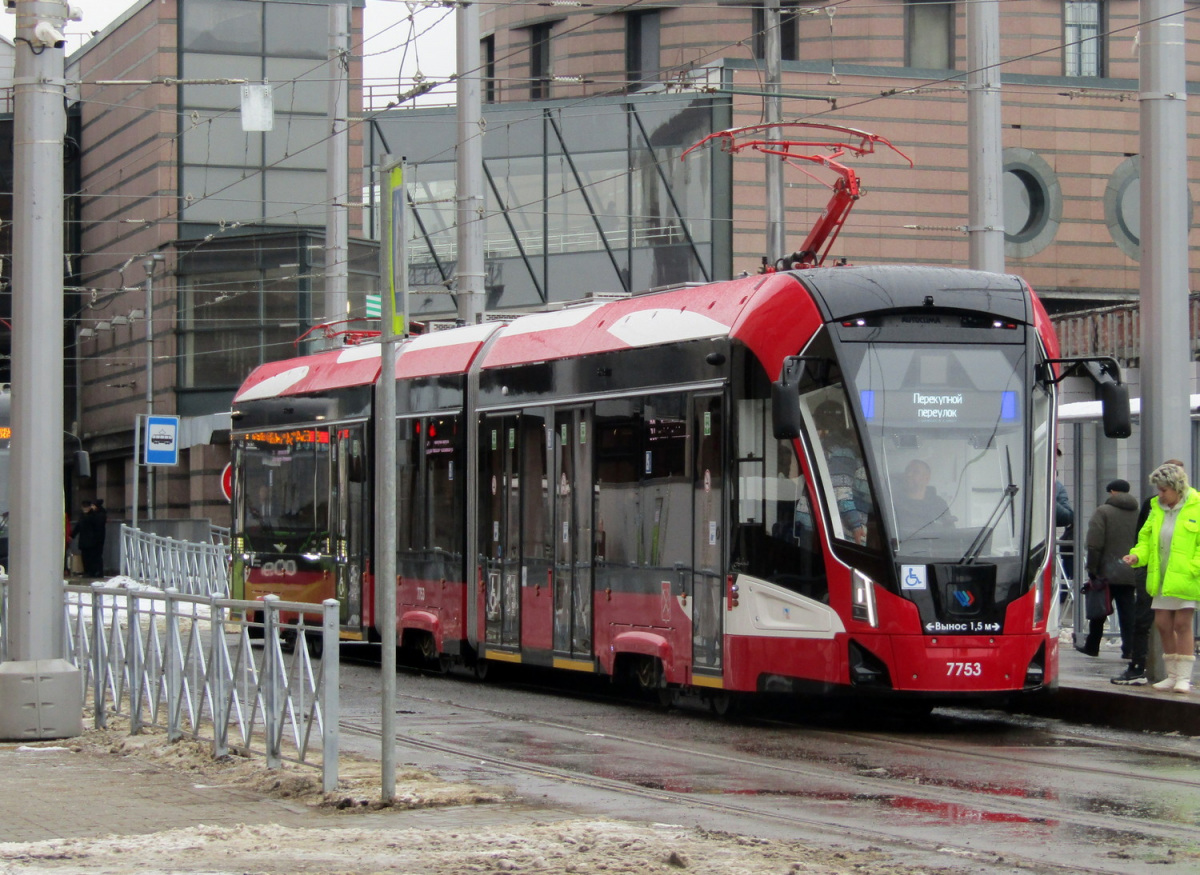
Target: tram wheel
x,y
481,668
723,704
315,644
648,674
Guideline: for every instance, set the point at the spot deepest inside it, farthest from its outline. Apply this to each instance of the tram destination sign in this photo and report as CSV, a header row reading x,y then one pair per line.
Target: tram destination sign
x,y
971,408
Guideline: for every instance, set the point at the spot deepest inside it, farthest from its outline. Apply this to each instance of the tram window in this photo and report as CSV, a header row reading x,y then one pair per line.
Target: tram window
x,y
409,488
619,444
642,482
777,540
442,470
841,465
286,485
947,433
535,533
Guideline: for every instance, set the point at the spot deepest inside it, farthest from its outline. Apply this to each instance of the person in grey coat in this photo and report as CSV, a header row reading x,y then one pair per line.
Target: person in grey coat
x,y
1111,532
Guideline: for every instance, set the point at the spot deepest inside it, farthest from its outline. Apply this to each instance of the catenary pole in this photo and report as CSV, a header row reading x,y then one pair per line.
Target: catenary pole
x,y
773,49
985,163
337,169
390,254
469,167
1166,366
40,694
149,264
1163,274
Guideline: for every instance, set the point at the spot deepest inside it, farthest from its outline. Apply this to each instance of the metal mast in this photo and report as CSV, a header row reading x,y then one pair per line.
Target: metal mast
x,y
985,208
1166,357
337,170
469,170
40,694
773,45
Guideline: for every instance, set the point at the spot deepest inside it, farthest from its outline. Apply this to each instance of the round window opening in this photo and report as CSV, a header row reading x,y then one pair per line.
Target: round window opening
x,y
1024,205
1032,203
1123,208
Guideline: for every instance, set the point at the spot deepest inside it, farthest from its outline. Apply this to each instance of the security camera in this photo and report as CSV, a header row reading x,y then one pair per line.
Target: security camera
x,y
48,35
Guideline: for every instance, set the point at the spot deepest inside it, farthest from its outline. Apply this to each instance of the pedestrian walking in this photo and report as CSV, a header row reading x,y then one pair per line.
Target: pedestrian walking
x,y
1111,533
1168,546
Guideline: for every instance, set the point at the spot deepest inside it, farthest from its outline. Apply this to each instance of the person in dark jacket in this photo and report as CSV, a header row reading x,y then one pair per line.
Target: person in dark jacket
x,y
90,532
1111,533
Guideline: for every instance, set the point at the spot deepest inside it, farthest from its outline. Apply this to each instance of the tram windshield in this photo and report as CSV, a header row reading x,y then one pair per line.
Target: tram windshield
x,y
286,489
945,429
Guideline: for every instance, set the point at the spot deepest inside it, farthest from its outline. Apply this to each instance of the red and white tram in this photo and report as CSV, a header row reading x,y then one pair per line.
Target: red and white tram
x,y
809,481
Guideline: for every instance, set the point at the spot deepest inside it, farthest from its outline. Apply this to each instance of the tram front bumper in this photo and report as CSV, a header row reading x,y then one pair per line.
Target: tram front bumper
x,y
955,664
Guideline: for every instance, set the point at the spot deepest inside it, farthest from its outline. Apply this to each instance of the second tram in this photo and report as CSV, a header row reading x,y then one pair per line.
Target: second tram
x,y
826,480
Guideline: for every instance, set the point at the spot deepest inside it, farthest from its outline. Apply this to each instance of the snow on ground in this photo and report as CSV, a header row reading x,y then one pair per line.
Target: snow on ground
x,y
345,845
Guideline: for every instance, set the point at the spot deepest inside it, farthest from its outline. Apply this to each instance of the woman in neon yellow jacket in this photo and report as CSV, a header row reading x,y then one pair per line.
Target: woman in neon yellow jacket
x,y
1169,546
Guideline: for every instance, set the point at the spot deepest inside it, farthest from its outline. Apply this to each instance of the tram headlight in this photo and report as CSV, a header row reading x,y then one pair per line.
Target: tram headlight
x,y
862,594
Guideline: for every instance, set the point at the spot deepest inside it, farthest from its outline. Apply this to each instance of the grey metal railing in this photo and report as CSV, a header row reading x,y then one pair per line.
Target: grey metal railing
x,y
191,665
185,566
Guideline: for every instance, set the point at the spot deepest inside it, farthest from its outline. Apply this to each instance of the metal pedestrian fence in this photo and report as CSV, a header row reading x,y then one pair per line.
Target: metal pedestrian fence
x,y
197,667
185,566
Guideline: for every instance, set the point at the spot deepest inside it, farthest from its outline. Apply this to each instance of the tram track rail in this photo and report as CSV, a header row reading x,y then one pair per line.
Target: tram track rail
x,y
865,787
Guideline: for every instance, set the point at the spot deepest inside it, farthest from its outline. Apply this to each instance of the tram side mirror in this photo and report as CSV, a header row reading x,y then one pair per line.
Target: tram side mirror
x,y
1114,410
83,464
785,400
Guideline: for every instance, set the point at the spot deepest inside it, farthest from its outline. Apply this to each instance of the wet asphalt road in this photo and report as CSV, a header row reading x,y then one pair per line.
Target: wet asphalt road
x,y
965,791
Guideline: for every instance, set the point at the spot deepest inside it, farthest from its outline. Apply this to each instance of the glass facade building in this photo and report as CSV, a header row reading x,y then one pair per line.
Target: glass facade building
x,y
581,200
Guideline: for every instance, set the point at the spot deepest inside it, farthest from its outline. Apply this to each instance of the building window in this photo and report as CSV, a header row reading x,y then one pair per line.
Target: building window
x,y
487,54
539,61
788,32
1083,49
641,48
929,35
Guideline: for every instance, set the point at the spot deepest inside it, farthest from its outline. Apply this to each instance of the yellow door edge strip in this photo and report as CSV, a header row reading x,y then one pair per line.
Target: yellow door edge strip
x,y
501,656
574,664
714,683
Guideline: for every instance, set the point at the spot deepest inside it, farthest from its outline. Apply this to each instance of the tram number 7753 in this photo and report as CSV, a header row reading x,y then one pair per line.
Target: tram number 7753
x,y
964,669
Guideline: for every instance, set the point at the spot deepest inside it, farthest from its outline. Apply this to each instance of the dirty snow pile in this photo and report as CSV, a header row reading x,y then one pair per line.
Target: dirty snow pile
x,y
342,843
581,847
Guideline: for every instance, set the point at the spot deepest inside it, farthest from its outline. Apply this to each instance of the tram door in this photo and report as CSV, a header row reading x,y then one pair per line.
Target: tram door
x,y
500,534
708,534
347,520
573,502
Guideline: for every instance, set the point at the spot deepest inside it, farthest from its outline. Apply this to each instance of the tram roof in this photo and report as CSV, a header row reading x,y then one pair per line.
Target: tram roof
x,y
846,292
673,316
322,371
679,315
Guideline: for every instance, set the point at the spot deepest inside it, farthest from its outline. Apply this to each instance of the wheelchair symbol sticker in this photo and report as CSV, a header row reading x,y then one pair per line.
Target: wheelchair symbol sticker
x,y
913,577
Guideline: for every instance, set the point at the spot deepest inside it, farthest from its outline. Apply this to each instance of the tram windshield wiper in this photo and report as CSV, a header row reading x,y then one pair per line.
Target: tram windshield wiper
x,y
976,547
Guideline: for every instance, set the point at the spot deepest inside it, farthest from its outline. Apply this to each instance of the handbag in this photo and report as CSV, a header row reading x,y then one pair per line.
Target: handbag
x,y
1097,599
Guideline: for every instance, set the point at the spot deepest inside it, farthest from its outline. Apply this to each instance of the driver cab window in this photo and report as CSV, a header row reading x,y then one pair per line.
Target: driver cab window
x,y
840,467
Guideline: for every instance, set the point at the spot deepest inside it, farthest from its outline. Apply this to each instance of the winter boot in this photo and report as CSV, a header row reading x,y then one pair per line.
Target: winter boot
x,y
1134,676
1170,660
1183,672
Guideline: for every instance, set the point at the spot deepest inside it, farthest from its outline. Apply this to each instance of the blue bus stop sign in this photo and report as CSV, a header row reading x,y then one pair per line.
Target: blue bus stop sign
x,y
162,440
